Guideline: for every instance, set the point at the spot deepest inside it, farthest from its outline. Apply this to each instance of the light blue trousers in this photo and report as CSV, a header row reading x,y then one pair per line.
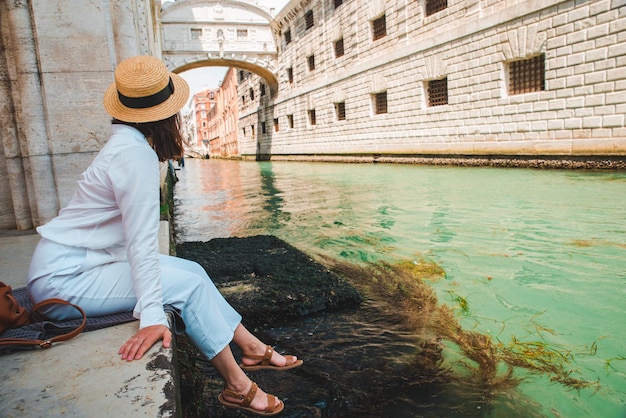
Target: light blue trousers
x,y
100,285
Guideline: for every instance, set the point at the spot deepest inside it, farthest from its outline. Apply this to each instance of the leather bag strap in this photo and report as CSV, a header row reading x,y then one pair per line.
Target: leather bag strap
x,y
47,343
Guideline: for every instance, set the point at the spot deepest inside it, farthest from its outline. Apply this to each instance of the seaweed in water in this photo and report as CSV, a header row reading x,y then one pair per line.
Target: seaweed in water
x,y
492,362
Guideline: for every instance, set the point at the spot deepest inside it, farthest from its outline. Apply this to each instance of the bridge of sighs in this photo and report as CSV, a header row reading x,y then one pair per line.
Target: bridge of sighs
x,y
237,33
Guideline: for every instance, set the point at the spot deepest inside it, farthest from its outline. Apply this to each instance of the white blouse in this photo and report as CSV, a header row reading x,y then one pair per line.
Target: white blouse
x,y
116,209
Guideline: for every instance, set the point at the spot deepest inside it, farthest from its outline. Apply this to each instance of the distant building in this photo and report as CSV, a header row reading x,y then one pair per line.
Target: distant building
x,y
203,102
222,119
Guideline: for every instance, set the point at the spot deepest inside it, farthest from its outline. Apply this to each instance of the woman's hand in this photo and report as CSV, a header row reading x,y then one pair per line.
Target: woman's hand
x,y
138,344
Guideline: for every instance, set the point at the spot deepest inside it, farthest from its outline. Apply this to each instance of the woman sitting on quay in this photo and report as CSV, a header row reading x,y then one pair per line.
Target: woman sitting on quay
x,y
101,252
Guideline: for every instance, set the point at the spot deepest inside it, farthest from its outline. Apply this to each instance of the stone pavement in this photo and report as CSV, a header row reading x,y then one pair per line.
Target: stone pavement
x,y
82,377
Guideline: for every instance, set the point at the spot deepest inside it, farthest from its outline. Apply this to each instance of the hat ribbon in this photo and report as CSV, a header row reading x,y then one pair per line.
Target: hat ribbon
x,y
148,101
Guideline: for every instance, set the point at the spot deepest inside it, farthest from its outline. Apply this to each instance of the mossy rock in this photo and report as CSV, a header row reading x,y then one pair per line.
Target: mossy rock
x,y
268,280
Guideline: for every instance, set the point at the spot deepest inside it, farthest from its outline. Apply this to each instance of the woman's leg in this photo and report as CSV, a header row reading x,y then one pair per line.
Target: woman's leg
x,y
210,322
209,319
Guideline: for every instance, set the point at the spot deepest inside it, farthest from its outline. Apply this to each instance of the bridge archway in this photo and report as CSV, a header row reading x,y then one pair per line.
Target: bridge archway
x,y
231,33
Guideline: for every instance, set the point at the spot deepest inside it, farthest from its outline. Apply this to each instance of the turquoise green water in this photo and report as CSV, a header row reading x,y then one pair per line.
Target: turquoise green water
x,y
539,255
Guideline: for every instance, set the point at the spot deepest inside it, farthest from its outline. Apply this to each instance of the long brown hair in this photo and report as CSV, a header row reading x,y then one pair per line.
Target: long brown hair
x,y
165,136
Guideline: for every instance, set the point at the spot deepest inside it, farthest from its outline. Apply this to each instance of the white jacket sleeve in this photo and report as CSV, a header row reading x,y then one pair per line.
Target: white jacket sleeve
x,y
135,181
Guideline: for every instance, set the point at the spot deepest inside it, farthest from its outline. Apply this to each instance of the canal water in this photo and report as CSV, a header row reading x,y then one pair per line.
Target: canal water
x,y
534,255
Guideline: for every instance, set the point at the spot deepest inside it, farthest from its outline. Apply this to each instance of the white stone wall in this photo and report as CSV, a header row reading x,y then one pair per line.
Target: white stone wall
x,y
56,60
581,111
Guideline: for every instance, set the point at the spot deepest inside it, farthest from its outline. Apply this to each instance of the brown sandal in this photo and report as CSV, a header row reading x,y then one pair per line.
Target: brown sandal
x,y
264,361
245,400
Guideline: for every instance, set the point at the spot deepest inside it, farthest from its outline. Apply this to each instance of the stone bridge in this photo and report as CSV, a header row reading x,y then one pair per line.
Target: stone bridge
x,y
234,33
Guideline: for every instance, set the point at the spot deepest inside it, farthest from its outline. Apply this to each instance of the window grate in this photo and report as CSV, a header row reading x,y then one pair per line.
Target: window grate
x,y
309,21
311,61
527,75
263,128
290,75
339,48
379,28
340,110
312,120
438,92
262,87
290,121
288,37
251,94
380,103
434,6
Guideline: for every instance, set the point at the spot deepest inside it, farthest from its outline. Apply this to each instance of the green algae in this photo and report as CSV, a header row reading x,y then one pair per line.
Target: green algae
x,y
490,362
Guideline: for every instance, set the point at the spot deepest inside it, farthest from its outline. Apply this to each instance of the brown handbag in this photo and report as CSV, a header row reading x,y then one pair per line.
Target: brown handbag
x,y
13,315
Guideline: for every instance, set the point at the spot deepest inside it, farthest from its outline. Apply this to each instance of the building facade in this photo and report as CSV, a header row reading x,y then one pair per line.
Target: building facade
x,y
222,119
407,79
203,102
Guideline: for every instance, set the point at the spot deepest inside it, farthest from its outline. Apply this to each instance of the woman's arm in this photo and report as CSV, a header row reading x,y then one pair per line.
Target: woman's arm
x,y
136,184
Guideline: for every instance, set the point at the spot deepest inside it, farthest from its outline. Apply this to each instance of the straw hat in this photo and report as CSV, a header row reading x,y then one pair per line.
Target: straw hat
x,y
145,91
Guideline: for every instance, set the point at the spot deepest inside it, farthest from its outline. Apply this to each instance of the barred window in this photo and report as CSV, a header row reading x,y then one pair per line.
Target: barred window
x,y
312,120
379,28
196,33
308,18
434,6
527,75
290,75
252,131
339,48
438,92
311,61
262,88
290,121
276,125
338,3
288,37
340,110
251,94
263,129
380,103
243,99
